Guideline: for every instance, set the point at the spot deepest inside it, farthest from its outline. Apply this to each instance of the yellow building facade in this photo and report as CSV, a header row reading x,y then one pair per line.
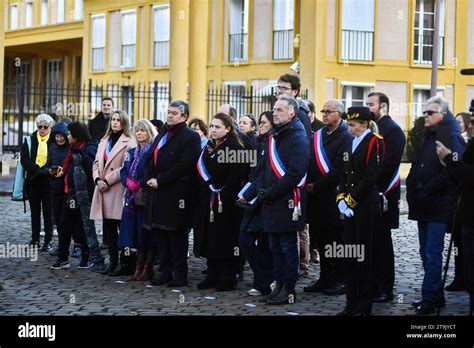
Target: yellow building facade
x,y
342,48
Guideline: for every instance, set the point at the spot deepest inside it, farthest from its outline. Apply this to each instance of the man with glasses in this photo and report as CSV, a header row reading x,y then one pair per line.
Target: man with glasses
x,y
388,184
325,166
432,197
290,85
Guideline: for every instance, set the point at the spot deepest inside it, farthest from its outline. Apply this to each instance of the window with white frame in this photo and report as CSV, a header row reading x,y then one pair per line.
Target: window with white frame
x,y
355,95
161,31
357,41
61,10
14,17
44,12
420,95
29,14
283,29
78,9
424,31
129,38
98,42
238,38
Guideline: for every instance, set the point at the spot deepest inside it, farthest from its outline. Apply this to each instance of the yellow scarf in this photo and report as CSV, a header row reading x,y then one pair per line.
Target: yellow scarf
x,y
42,154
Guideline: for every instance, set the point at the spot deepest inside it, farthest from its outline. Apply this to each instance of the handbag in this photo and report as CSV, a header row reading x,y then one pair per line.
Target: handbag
x,y
18,192
141,196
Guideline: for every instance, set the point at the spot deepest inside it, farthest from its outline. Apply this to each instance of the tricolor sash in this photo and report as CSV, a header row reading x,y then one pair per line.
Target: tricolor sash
x,y
394,182
202,170
280,171
320,153
242,191
161,143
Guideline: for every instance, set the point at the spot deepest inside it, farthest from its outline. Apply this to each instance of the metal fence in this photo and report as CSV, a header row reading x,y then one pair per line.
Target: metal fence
x,y
245,100
23,102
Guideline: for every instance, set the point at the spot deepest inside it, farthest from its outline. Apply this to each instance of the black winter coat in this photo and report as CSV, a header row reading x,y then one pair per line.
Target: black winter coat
x,y
170,206
34,174
219,239
56,155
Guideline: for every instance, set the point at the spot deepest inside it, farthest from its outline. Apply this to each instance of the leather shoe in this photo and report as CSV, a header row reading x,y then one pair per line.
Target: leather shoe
x,y
206,284
383,297
285,296
317,286
426,307
177,283
110,268
440,302
337,289
455,286
163,278
346,312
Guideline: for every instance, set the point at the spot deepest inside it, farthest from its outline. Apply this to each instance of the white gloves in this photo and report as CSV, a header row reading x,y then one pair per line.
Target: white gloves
x,y
348,213
344,209
342,205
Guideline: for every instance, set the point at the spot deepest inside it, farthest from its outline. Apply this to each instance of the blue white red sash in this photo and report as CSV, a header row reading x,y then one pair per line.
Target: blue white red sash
x,y
108,149
394,181
242,191
202,170
320,153
161,143
280,171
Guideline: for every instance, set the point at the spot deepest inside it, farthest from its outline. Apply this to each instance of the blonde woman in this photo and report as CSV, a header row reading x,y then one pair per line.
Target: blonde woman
x,y
107,203
133,178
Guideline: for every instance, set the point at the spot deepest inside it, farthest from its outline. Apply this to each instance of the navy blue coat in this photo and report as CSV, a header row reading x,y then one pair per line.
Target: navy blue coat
x,y
252,220
394,139
56,155
125,171
170,206
302,115
431,192
293,148
322,208
88,158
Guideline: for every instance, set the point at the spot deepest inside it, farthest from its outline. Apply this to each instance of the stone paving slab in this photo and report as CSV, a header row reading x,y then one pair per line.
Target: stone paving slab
x,y
31,288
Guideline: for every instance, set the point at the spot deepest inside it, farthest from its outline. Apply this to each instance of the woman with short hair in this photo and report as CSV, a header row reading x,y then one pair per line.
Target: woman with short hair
x,y
34,156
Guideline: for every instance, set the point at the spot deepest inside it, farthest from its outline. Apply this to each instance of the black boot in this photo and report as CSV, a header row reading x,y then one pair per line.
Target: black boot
x,y
285,296
120,269
113,255
276,290
130,264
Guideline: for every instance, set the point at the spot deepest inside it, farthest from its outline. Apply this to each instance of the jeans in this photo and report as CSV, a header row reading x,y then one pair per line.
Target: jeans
x,y
260,259
284,247
431,237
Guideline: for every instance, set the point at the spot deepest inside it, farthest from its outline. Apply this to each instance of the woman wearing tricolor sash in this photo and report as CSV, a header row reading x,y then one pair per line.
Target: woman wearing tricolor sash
x,y
359,205
107,203
216,232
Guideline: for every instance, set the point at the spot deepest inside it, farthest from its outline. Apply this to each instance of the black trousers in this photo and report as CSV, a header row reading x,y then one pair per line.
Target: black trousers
x,y
358,236
173,252
71,226
384,255
331,268
40,199
222,270
110,231
458,255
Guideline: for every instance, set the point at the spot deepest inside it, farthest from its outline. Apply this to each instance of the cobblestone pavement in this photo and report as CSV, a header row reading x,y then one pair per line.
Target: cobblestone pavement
x,y
31,288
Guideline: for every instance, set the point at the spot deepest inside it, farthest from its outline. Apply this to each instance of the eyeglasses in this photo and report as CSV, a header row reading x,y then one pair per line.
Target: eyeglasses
x,y
327,112
283,88
43,127
429,112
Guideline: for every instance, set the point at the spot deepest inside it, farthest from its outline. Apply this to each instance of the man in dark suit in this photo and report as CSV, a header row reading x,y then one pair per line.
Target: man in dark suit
x,y
170,171
389,189
98,125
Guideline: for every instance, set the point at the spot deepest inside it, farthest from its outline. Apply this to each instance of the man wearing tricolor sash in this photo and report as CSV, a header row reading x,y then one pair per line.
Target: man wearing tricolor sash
x,y
389,190
325,167
281,191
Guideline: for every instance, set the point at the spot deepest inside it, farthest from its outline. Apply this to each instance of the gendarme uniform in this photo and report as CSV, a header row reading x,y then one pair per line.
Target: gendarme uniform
x,y
358,188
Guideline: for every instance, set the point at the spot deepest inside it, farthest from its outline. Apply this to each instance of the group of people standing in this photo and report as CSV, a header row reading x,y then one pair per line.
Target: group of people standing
x,y
341,177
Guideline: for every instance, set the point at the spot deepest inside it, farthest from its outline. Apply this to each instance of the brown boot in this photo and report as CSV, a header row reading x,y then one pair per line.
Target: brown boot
x,y
138,271
147,273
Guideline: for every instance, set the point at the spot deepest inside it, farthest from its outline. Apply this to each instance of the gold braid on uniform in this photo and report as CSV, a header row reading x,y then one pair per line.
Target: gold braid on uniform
x,y
340,197
351,203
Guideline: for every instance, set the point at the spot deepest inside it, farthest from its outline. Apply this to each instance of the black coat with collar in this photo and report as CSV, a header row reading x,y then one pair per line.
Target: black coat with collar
x,y
169,207
34,174
394,140
220,238
293,149
361,170
322,207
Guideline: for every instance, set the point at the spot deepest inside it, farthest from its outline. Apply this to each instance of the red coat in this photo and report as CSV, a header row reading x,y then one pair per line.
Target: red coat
x,y
109,204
